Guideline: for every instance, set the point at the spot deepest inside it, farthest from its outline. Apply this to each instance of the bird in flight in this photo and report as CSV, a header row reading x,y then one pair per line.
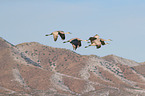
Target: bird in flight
x,y
76,42
56,33
97,41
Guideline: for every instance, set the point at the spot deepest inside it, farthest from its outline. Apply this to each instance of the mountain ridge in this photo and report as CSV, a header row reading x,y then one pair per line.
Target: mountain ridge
x,y
32,68
117,59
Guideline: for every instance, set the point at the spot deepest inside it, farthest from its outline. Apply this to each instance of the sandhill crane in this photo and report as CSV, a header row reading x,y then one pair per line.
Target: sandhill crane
x,y
55,34
96,41
76,42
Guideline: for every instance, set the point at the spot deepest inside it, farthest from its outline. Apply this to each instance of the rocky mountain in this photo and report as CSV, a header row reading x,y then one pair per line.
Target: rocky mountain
x,y
33,69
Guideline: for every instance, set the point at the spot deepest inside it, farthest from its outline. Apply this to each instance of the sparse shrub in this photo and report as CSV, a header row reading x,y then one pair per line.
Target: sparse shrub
x,y
95,68
54,64
54,58
26,51
32,54
59,81
50,62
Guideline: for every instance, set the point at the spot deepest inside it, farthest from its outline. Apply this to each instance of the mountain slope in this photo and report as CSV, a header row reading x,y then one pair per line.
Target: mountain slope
x,y
35,69
116,59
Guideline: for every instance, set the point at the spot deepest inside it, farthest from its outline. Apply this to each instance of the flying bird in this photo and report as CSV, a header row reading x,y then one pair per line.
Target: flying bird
x,y
56,33
76,42
97,41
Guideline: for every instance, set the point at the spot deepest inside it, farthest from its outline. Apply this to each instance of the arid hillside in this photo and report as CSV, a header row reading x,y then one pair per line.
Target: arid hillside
x,y
33,69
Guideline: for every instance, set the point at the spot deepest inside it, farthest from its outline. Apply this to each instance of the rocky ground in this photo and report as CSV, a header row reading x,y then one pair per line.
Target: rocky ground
x,y
33,69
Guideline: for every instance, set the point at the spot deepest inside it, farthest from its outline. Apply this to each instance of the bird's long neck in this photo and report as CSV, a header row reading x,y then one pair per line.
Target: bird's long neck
x,y
84,40
108,40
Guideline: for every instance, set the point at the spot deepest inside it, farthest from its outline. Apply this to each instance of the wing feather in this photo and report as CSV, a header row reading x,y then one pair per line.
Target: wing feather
x,y
75,43
102,41
61,34
92,39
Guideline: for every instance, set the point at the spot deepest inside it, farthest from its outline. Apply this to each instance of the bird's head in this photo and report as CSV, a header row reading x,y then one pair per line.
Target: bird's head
x,y
68,33
97,36
107,43
109,39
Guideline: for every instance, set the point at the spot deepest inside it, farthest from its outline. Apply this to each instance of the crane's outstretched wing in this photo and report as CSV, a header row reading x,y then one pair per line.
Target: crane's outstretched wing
x,y
76,43
92,39
102,41
61,34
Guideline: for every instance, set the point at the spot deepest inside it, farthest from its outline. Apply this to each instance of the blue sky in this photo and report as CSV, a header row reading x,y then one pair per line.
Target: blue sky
x,y
123,21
